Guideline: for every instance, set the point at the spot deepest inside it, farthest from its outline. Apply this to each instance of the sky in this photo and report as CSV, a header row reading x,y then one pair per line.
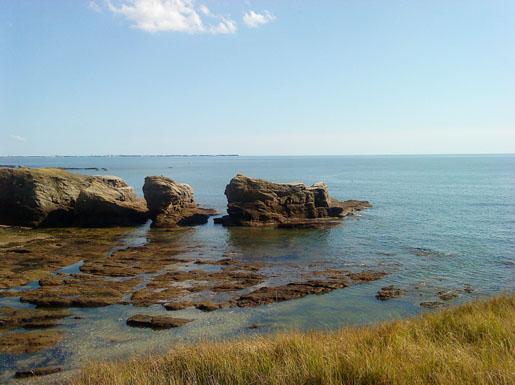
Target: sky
x,y
256,77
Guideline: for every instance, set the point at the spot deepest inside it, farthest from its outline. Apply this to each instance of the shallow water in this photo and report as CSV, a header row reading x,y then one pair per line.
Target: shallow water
x,y
438,223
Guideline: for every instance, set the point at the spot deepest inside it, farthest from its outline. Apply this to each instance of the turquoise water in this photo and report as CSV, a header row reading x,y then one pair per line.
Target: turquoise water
x,y
438,223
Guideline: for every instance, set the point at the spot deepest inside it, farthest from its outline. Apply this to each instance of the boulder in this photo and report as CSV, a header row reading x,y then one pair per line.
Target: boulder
x,y
53,197
109,201
256,202
172,204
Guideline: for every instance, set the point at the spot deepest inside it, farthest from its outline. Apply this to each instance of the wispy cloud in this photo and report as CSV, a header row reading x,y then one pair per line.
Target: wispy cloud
x,y
18,138
92,4
253,19
172,15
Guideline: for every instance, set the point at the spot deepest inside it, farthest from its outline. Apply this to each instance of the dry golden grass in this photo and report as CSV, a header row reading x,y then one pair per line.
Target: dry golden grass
x,y
470,344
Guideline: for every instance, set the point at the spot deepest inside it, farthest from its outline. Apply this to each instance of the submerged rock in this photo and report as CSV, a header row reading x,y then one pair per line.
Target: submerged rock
x,y
207,306
172,204
174,306
389,292
367,276
447,295
267,295
156,321
54,198
256,202
45,371
432,304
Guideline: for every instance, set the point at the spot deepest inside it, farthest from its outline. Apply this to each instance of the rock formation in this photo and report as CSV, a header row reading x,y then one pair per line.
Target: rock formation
x,y
256,202
54,197
172,204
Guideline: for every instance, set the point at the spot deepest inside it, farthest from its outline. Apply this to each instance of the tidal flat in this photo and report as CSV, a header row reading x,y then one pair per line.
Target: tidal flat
x,y
74,295
59,283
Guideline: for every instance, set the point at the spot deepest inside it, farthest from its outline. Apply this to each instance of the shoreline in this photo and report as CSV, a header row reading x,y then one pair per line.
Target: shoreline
x,y
466,344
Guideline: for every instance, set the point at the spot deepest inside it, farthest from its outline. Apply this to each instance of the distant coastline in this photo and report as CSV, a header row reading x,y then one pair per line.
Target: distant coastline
x,y
122,156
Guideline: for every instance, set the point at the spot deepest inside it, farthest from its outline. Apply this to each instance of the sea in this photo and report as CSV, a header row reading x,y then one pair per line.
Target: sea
x,y
438,223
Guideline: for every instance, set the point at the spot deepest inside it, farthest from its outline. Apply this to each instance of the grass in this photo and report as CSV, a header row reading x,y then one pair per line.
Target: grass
x,y
469,344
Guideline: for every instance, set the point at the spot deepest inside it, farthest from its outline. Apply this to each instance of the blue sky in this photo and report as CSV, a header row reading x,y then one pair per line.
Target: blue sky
x,y
256,77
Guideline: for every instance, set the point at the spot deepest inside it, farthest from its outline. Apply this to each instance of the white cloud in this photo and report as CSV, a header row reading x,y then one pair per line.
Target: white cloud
x,y
18,138
224,26
173,15
92,4
253,19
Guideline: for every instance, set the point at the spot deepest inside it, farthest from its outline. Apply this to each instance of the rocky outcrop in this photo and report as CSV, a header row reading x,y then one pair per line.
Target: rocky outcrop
x,y
172,204
256,202
54,197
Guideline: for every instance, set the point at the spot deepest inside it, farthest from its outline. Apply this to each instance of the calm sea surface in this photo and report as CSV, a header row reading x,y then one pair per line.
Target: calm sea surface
x,y
438,223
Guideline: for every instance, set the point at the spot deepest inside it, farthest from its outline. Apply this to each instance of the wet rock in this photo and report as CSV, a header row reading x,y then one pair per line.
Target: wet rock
x,y
447,295
28,342
38,372
154,295
468,289
256,202
219,262
80,290
174,306
389,292
55,198
51,250
156,322
30,318
172,204
210,306
367,276
267,295
432,304
150,258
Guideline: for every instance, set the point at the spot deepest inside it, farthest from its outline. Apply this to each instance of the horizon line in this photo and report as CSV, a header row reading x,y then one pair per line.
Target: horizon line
x,y
250,155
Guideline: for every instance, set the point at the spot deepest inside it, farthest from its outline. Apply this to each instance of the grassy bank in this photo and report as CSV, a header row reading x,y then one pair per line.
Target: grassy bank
x,y
470,344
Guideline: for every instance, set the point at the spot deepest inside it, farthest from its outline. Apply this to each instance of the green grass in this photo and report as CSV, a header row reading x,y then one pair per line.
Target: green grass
x,y
470,344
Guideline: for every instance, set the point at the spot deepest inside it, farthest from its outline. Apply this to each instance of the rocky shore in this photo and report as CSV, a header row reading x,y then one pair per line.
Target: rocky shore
x,y
64,251
57,198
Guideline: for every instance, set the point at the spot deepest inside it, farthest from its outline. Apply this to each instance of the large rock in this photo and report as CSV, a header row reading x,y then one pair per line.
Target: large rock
x,y
109,201
172,204
256,202
54,197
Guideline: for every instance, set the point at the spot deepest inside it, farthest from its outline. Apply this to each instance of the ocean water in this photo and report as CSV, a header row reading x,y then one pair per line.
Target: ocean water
x,y
437,223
